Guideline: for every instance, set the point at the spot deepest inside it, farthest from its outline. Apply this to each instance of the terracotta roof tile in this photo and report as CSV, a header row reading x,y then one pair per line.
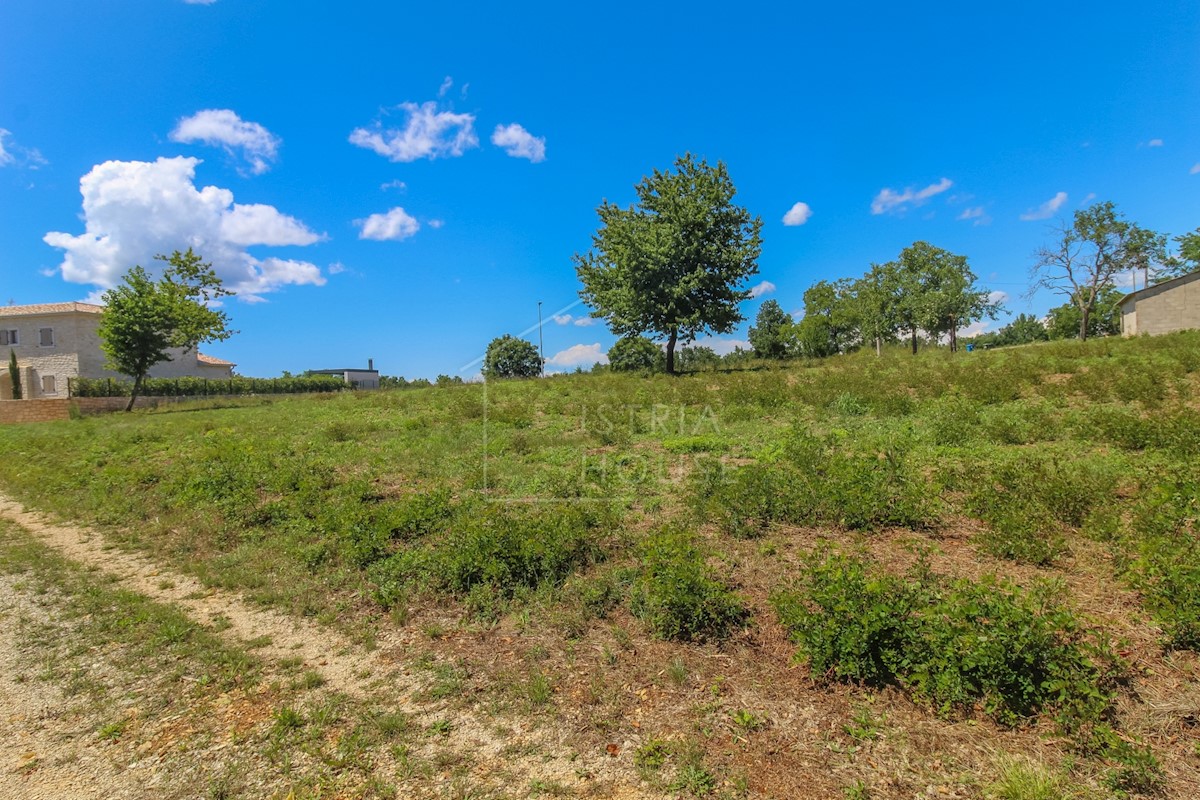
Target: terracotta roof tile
x,y
213,360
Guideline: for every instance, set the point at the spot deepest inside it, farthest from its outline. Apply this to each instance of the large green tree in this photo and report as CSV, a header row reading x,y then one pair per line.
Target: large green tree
x,y
1186,262
510,357
144,319
770,334
948,298
829,325
674,263
873,305
1090,252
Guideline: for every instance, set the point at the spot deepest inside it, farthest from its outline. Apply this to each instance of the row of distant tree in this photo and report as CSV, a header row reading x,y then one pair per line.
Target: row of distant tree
x,y
675,266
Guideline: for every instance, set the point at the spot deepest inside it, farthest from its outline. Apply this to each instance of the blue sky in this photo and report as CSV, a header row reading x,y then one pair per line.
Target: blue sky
x,y
282,137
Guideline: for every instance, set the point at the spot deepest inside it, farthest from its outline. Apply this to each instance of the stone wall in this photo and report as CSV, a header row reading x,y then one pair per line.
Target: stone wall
x,y
19,411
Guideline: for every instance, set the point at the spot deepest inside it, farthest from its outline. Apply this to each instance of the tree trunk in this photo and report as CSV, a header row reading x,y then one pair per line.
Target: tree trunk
x,y
878,346
914,340
671,353
133,394
953,337
1083,323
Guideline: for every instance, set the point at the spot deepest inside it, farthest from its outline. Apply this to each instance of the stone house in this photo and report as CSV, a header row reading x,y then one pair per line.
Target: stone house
x,y
56,342
1172,305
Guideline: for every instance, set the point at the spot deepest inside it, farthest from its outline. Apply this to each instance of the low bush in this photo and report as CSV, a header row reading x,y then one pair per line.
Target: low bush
x,y
679,595
951,643
810,482
492,553
1165,568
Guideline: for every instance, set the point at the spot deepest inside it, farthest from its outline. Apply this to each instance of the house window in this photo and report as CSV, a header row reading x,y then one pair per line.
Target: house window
x,y
9,337
46,336
48,385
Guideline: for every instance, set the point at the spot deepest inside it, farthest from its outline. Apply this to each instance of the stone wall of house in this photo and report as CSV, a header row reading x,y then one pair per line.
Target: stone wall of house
x,y
58,361
76,353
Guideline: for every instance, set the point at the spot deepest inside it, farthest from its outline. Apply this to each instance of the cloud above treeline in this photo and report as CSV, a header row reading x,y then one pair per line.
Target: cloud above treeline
x,y
395,225
120,198
222,127
578,355
797,215
519,143
1047,209
425,131
891,201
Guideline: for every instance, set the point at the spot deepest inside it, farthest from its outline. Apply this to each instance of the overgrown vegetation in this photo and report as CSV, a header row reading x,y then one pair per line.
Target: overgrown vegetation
x,y
655,532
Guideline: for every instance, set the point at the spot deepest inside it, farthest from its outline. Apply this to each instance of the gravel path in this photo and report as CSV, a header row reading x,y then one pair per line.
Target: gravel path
x,y
48,746
346,667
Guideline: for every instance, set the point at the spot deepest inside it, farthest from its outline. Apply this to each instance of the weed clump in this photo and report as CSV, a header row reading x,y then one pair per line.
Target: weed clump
x,y
1165,565
493,554
679,595
954,644
813,483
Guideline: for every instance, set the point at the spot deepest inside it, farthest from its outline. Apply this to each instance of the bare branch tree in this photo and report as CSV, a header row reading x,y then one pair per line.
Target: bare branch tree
x,y
1089,253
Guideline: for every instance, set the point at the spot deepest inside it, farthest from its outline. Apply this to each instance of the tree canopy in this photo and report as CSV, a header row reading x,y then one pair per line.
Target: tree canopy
x,y
770,335
510,357
674,263
1090,252
144,319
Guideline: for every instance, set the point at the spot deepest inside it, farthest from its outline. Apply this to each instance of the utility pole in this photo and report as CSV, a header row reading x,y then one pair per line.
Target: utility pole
x,y
541,349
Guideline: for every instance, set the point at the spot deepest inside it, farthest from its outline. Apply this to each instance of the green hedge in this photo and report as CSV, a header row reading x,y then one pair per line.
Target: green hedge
x,y
203,387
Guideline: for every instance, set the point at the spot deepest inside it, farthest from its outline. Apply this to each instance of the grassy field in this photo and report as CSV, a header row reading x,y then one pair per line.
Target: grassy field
x,y
943,576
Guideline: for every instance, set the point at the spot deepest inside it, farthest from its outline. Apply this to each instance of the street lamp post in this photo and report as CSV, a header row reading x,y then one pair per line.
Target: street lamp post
x,y
541,349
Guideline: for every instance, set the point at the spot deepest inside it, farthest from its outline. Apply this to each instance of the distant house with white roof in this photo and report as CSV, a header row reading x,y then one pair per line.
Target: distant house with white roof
x,y
56,342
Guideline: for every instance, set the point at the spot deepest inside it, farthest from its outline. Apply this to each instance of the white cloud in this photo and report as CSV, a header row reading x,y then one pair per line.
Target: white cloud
x,y
1154,143
395,225
797,215
447,85
426,133
397,184
336,268
520,143
133,210
578,355
758,290
1195,170
977,214
721,347
974,329
222,127
579,322
12,153
262,224
436,223
997,297
1046,209
889,200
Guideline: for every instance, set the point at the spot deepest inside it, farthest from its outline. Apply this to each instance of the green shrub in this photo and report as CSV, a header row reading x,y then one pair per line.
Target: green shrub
x,y
1165,527
951,643
812,483
494,552
679,595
